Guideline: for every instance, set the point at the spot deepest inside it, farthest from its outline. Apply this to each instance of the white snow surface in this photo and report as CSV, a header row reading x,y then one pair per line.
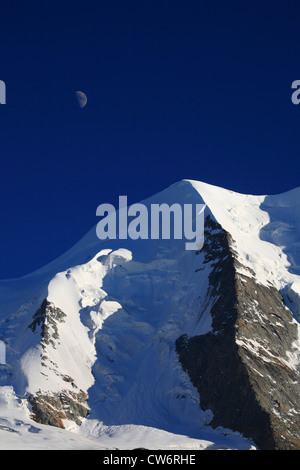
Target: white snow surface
x,y
126,302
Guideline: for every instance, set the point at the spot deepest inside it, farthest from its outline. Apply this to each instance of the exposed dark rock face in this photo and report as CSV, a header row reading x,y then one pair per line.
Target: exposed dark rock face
x,y
53,408
47,317
241,368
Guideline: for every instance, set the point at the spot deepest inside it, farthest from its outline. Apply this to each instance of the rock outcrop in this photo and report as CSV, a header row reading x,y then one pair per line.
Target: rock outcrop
x,y
53,408
243,368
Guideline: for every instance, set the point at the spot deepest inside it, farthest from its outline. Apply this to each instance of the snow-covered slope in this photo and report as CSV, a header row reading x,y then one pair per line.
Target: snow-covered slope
x,y
266,230
91,337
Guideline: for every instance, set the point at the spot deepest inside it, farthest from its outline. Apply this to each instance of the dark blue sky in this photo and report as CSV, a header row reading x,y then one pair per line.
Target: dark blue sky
x,y
176,89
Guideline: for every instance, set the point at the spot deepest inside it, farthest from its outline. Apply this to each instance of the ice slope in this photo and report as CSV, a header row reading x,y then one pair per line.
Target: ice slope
x,y
126,302
19,432
266,230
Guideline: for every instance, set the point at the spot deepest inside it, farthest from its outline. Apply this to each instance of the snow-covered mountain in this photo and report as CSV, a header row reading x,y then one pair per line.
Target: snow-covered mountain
x,y
141,343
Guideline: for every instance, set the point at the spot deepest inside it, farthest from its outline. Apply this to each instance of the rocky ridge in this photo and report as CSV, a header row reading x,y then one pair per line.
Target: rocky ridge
x,y
54,408
243,368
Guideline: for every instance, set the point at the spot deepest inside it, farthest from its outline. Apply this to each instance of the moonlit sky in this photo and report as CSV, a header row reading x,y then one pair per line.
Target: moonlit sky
x,y
175,89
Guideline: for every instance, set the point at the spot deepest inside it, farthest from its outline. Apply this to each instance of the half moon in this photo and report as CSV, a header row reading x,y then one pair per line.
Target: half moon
x,y
81,98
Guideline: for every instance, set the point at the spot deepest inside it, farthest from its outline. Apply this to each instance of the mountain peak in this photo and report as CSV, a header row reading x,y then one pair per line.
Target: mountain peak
x,y
167,339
